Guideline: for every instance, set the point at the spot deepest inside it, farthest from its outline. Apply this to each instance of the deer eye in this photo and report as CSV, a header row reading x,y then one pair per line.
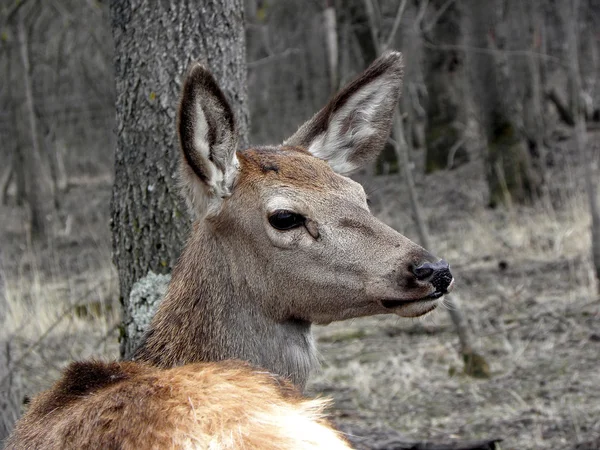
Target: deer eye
x,y
282,219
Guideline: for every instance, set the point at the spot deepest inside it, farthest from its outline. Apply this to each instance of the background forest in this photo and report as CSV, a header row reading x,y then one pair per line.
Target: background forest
x,y
493,164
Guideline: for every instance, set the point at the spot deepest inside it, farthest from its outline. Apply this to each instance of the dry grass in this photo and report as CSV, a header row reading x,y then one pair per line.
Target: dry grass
x,y
524,280
58,302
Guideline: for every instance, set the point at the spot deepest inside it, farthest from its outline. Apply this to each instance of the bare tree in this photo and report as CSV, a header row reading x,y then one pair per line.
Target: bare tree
x,y
533,30
11,151
58,49
444,73
155,42
570,14
509,171
35,195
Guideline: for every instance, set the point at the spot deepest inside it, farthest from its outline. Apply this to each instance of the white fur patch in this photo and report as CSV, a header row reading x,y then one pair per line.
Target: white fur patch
x,y
200,135
300,426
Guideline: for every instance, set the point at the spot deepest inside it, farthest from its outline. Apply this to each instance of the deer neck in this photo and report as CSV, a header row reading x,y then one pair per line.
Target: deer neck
x,y
210,314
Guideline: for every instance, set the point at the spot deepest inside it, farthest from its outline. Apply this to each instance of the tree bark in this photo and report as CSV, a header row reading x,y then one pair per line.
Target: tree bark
x,y
154,44
444,70
509,172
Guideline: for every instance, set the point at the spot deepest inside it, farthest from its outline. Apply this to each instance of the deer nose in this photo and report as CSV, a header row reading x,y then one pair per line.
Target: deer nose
x,y
438,274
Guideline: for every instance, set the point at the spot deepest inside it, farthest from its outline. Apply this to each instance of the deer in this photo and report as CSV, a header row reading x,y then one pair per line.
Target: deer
x,y
282,239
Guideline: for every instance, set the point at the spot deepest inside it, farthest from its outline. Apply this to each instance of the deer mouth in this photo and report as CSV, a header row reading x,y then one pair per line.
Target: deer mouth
x,y
391,304
395,303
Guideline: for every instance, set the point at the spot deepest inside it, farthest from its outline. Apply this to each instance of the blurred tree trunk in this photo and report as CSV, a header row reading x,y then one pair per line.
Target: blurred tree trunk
x,y
9,148
570,14
444,71
32,164
414,89
56,166
533,109
331,38
154,44
509,171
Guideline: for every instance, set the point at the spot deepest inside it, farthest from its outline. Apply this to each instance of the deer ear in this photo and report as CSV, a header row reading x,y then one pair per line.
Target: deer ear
x,y
208,139
353,127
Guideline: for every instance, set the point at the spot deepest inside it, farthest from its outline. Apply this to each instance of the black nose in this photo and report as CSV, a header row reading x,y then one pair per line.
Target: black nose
x,y
437,274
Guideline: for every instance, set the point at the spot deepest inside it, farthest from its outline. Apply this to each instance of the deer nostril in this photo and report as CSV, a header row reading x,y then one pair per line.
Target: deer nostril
x,y
438,274
423,272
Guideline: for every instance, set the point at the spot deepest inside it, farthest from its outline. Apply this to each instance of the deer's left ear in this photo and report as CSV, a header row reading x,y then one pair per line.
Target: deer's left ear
x,y
208,139
353,127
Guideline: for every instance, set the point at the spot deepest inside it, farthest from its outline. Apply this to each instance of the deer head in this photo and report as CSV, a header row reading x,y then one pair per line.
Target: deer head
x,y
292,222
282,237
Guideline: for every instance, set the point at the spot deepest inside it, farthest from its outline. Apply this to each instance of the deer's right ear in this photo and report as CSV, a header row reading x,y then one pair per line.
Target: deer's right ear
x,y
208,139
352,128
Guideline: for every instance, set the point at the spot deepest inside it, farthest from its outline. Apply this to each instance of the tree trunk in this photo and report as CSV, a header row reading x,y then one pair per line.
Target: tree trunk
x,y
570,15
509,171
331,38
533,110
443,78
154,44
32,163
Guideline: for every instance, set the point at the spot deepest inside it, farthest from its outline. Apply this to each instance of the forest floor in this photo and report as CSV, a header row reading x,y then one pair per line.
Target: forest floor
x,y
523,278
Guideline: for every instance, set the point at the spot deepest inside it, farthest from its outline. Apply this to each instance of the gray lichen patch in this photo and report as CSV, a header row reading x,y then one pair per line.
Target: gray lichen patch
x,y
145,297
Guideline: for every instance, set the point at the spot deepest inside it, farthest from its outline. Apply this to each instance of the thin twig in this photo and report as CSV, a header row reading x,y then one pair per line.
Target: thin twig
x,y
452,152
466,48
420,14
427,28
373,27
11,11
399,13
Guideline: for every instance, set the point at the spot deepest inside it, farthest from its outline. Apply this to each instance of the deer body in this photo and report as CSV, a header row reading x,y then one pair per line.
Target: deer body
x,y
282,239
130,406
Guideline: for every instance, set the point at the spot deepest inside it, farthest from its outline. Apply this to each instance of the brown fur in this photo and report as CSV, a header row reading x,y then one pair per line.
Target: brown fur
x,y
289,166
134,406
